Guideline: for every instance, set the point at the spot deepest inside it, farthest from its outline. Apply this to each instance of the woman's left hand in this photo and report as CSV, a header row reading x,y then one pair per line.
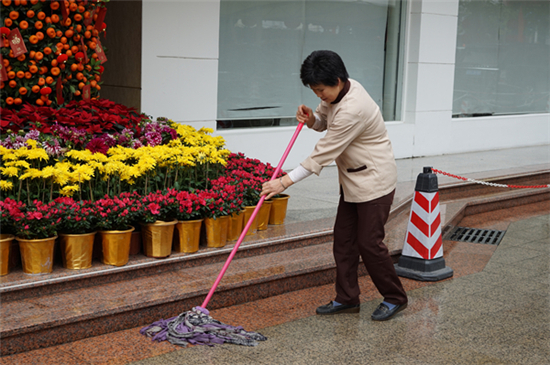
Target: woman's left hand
x,y
272,188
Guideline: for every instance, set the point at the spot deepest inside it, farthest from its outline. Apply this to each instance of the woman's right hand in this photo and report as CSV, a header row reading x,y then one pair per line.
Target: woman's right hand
x,y
305,115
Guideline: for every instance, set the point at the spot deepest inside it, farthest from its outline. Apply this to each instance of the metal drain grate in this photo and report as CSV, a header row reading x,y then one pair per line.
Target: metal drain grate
x,y
474,235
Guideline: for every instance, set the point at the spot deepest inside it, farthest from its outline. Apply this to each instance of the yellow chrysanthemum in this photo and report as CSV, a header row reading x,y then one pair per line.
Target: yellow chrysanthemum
x,y
48,172
6,185
61,175
99,157
31,174
69,190
6,152
21,163
133,171
84,155
82,173
10,171
37,154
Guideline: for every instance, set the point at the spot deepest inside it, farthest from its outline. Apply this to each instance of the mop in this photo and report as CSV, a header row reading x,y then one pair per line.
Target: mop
x,y
196,326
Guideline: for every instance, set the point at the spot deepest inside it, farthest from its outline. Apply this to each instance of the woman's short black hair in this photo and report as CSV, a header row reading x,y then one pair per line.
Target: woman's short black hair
x,y
323,67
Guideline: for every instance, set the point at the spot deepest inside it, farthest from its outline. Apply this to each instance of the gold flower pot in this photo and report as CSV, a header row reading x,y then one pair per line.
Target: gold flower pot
x,y
5,248
15,255
77,250
157,238
187,236
235,225
37,255
247,214
115,246
135,243
216,231
263,215
278,209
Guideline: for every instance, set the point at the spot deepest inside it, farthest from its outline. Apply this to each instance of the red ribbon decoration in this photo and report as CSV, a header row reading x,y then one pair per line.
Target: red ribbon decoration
x,y
86,92
59,89
84,50
89,20
64,10
3,73
16,43
100,53
100,17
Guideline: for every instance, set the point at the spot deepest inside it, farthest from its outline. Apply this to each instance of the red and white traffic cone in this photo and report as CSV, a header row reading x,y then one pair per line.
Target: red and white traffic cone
x,y
422,255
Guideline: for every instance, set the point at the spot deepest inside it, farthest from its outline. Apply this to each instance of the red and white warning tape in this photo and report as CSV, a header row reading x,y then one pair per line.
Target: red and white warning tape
x,y
436,171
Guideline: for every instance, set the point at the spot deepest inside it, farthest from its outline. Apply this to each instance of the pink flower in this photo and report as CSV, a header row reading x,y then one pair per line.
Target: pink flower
x,y
154,208
35,215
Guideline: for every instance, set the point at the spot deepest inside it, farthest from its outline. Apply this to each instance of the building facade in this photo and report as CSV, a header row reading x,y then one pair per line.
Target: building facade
x,y
450,76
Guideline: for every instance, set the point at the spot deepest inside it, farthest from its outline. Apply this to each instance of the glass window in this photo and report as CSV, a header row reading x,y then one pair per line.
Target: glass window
x,y
263,43
502,58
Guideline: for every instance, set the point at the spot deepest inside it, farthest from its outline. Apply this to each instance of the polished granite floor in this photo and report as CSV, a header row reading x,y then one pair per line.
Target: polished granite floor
x,y
495,310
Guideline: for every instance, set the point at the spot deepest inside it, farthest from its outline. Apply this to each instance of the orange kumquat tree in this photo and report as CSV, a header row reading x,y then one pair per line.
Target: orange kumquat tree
x,y
63,54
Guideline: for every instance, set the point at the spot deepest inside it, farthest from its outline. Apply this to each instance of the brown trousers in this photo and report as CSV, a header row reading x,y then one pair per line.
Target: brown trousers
x,y
359,231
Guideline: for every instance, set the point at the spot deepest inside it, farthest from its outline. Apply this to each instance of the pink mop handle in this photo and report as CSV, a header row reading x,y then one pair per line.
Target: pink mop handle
x,y
251,219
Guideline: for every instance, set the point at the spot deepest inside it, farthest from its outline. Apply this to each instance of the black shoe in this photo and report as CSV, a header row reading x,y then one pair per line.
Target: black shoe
x,y
383,313
330,308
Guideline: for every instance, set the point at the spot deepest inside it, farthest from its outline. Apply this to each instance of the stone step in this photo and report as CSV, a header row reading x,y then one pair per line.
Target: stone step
x,y
41,311
18,285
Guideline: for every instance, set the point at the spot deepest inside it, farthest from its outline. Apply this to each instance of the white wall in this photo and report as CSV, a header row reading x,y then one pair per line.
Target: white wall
x,y
180,60
179,81
429,85
430,74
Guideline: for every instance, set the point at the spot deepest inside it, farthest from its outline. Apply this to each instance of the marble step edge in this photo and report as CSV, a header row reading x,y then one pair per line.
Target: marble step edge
x,y
173,294
49,284
465,207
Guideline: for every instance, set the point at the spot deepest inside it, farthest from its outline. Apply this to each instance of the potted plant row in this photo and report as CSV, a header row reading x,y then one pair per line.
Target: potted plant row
x,y
169,221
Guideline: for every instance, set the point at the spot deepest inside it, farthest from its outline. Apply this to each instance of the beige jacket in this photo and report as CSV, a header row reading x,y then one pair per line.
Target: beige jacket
x,y
357,140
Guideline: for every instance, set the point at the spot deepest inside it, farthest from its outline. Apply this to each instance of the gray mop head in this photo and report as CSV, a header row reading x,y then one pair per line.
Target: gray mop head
x,y
196,327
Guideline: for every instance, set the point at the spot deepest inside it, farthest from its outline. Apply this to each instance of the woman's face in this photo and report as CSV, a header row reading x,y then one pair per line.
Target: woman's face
x,y
328,93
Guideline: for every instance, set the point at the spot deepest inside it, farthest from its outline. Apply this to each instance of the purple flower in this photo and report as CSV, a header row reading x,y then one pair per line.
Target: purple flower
x,y
153,138
172,132
97,145
34,134
53,148
109,140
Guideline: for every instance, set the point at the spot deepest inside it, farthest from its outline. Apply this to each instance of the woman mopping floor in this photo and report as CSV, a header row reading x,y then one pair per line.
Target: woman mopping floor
x,y
357,140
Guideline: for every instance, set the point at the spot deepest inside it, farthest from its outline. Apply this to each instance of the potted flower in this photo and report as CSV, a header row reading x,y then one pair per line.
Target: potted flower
x,y
36,227
8,246
114,218
216,218
77,232
279,204
158,214
252,171
232,194
188,228
250,186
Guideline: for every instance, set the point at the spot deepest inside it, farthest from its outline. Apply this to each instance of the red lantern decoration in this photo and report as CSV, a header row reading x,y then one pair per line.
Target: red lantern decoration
x,y
62,58
46,90
79,56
